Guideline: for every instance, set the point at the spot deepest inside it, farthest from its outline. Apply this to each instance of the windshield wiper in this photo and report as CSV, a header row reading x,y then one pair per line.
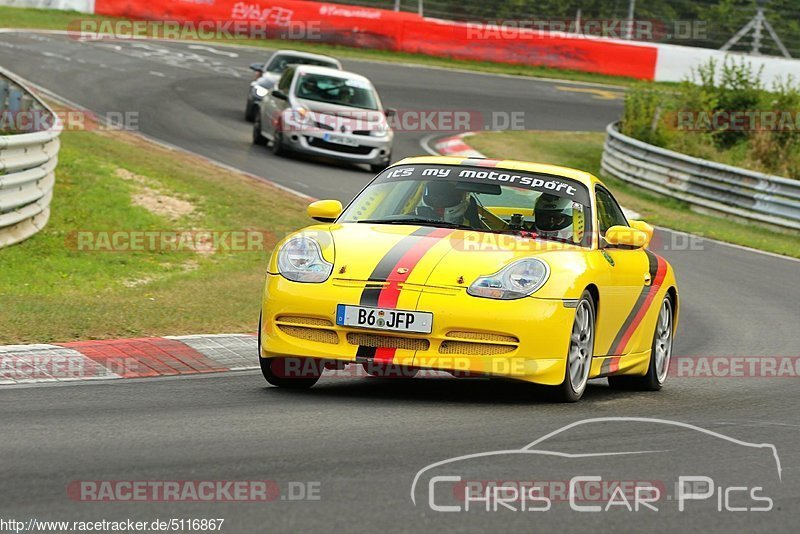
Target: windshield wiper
x,y
418,220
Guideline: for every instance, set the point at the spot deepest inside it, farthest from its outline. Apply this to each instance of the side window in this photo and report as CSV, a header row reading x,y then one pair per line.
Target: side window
x,y
286,80
608,211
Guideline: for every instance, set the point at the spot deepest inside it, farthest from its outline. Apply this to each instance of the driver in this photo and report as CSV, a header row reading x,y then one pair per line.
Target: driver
x,y
308,87
443,201
554,217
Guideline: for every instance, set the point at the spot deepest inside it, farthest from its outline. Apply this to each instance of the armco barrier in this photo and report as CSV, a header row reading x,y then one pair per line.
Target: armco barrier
x,y
27,164
723,188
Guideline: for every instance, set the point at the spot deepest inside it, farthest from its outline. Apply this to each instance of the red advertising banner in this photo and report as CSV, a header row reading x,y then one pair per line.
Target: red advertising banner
x,y
363,27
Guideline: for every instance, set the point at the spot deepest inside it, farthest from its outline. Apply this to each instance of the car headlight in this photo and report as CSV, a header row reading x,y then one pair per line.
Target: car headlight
x,y
514,281
260,91
300,260
381,130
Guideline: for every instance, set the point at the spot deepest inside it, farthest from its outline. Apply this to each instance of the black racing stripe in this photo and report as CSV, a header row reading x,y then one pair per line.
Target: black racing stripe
x,y
365,353
653,267
369,296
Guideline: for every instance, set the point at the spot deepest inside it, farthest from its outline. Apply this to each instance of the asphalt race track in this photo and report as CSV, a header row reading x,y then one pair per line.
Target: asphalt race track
x,y
364,440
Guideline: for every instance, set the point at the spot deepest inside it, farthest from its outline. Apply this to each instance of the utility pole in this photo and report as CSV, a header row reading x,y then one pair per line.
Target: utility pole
x,y
420,11
397,5
631,12
757,25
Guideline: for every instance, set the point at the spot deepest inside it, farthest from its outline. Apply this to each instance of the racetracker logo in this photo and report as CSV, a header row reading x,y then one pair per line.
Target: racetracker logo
x,y
276,24
735,367
636,29
71,120
773,120
195,241
192,491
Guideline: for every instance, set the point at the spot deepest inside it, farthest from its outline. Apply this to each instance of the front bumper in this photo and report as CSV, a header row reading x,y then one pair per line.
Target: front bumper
x,y
526,339
369,149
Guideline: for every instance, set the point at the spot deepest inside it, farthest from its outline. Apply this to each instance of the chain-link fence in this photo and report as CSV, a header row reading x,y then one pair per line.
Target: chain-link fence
x,y
703,23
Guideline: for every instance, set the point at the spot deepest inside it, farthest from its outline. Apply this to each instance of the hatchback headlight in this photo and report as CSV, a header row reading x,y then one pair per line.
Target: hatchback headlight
x,y
514,281
300,260
260,91
381,130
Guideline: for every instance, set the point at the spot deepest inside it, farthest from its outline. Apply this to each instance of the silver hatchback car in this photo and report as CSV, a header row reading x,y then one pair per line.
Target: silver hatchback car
x,y
326,112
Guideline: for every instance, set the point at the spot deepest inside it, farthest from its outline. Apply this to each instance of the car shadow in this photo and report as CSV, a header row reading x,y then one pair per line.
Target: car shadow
x,y
449,390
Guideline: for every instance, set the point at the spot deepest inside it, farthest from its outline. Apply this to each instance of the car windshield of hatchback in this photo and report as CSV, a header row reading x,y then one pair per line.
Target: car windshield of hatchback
x,y
348,92
279,63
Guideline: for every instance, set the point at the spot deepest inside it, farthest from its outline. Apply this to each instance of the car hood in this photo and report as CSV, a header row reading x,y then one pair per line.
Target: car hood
x,y
439,257
337,115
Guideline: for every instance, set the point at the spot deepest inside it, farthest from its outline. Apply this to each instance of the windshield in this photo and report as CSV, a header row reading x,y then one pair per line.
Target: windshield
x,y
279,63
335,90
477,198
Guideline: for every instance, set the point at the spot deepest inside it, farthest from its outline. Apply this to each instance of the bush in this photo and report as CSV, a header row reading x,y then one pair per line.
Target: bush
x,y
682,118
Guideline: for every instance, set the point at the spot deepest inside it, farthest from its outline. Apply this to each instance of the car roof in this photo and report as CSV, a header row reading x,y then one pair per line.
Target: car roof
x,y
313,69
307,55
587,179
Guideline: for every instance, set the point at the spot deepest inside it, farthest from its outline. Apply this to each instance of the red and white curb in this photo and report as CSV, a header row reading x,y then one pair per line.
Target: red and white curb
x,y
456,146
127,358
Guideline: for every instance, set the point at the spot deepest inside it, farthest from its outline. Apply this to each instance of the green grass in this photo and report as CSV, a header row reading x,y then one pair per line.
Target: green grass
x,y
583,150
52,291
15,17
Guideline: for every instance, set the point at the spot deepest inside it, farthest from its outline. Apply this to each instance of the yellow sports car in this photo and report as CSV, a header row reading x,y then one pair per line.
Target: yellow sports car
x,y
477,267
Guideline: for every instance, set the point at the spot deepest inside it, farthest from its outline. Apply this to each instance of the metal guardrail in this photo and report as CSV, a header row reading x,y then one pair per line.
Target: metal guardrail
x,y
723,188
27,161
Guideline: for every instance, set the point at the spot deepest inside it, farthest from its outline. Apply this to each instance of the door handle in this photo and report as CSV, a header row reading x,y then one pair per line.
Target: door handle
x,y
647,279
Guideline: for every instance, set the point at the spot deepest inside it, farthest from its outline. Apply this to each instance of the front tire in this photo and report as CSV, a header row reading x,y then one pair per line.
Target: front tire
x,y
258,137
250,111
290,373
278,148
660,354
580,353
379,167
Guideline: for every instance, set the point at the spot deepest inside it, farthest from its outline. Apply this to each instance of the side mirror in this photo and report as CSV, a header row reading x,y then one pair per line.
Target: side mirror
x,y
280,95
626,236
390,112
324,210
258,67
643,227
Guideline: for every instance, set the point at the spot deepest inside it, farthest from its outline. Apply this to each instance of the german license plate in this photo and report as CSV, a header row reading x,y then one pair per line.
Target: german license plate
x,y
339,140
384,319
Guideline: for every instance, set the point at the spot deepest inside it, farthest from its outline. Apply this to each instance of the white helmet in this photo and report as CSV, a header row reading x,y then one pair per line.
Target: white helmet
x,y
447,202
553,217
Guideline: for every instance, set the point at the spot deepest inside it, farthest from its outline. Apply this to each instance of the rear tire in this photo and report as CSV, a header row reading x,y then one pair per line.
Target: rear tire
x,y
660,355
580,353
